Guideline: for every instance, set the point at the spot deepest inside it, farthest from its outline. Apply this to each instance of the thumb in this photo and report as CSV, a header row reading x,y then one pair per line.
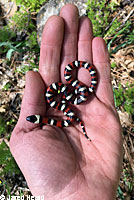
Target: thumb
x,y
33,100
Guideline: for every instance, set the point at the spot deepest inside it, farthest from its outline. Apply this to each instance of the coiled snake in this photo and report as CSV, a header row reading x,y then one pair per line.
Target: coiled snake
x,y
77,96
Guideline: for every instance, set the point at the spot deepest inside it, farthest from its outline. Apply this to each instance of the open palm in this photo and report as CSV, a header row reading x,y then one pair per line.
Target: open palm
x,y
62,163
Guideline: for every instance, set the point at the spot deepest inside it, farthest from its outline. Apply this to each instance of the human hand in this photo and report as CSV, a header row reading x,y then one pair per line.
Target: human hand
x,y
61,163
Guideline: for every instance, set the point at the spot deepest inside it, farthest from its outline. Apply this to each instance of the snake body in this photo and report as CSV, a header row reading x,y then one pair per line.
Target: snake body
x,y
78,95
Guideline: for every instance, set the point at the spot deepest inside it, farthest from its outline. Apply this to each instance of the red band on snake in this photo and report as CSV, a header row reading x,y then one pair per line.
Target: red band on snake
x,y
79,95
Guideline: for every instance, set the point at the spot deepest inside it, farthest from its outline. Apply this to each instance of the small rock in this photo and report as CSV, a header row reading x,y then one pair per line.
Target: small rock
x,y
124,118
53,8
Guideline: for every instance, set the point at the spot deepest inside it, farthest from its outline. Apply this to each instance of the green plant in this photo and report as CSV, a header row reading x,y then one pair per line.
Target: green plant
x,y
127,36
120,193
2,126
7,162
10,47
123,32
113,65
6,86
25,68
106,26
32,5
22,21
118,96
6,187
129,100
98,12
130,36
10,122
125,98
6,34
32,43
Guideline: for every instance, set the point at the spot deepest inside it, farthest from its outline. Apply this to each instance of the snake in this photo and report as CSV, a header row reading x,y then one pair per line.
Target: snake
x,y
76,96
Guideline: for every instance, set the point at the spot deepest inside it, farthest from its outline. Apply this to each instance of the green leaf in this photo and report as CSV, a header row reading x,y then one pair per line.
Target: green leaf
x,y
9,54
119,33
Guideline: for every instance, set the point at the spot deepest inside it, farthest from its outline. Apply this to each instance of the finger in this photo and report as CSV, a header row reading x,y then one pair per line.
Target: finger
x,y
101,61
69,51
33,100
85,47
51,49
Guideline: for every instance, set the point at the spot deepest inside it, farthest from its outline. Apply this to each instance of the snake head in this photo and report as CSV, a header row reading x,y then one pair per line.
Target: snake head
x,y
36,119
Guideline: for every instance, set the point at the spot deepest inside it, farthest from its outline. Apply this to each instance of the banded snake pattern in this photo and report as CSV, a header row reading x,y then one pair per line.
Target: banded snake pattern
x,y
77,96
